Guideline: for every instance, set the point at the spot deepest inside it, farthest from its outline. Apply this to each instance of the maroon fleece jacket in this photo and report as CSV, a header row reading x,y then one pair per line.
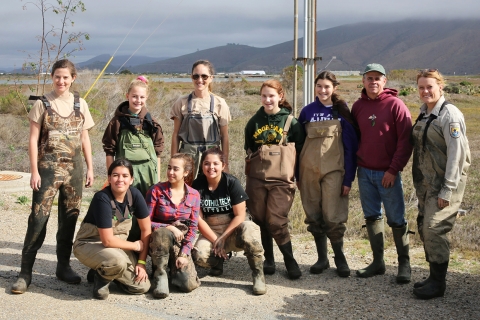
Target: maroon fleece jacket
x,y
385,125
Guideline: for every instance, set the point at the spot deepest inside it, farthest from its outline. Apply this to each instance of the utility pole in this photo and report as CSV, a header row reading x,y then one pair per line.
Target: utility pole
x,y
295,56
309,50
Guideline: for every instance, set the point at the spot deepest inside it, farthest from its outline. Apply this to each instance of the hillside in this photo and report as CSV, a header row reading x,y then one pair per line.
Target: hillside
x,y
449,45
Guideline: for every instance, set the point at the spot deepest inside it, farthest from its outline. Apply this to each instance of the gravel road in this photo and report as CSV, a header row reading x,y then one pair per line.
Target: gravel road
x,y
324,296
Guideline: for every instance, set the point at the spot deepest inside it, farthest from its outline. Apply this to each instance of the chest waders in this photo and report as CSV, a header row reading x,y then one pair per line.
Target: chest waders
x,y
198,133
321,177
60,169
136,145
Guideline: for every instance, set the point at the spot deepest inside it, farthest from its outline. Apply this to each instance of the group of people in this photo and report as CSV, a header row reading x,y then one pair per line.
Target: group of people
x,y
136,215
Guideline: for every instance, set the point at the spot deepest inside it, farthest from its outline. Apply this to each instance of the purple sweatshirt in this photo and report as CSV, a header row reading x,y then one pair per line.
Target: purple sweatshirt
x,y
316,111
385,125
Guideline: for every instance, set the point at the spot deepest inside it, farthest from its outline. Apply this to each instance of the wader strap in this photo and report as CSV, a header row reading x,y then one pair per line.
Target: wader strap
x,y
335,112
116,214
189,103
76,103
285,130
429,121
45,101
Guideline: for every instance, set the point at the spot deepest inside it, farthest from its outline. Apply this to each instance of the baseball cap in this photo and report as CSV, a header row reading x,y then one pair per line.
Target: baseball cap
x,y
375,67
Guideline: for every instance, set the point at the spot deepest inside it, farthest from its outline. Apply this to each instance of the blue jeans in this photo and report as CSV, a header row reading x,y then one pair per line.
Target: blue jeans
x,y
373,194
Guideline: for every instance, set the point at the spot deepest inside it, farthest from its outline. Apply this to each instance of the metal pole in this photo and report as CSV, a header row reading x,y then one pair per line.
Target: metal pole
x,y
309,53
295,56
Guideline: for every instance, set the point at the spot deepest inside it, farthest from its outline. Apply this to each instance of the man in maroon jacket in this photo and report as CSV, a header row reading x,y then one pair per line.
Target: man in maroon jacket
x,y
385,124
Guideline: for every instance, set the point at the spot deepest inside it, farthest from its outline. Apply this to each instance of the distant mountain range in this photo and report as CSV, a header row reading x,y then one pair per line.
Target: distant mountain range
x,y
452,46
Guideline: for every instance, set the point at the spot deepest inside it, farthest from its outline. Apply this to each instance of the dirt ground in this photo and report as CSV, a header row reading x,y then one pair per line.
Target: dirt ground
x,y
324,296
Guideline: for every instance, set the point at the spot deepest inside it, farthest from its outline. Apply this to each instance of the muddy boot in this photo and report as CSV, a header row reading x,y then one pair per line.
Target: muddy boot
x,y
340,261
100,287
400,236
267,243
424,282
25,276
161,241
322,262
437,284
375,231
64,272
259,286
90,275
291,264
217,270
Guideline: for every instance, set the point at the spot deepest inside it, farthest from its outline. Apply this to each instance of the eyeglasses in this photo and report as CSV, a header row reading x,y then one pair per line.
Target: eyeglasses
x,y
197,76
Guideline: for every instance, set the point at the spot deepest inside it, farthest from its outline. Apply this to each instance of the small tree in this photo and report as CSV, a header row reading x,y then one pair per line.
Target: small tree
x,y
54,40
287,77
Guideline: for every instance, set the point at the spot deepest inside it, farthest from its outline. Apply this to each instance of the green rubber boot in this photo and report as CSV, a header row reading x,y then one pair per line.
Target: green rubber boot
x,y
400,236
375,231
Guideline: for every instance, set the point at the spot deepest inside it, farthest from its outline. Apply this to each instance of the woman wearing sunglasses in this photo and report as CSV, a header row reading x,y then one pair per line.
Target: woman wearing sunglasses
x,y
441,158
200,119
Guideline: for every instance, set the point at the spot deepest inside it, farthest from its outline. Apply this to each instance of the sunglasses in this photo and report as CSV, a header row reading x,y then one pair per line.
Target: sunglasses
x,y
197,76
423,71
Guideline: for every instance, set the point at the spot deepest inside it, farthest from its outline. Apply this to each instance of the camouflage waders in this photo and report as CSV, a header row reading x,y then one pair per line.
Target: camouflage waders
x,y
246,237
60,168
164,250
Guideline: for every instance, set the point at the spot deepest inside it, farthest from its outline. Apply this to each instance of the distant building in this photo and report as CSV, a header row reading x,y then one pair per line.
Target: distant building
x,y
252,73
346,73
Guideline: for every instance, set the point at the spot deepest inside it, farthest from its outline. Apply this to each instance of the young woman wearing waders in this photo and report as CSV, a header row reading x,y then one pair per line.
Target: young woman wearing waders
x,y
273,139
134,135
200,119
223,221
441,158
59,124
101,243
327,168
174,208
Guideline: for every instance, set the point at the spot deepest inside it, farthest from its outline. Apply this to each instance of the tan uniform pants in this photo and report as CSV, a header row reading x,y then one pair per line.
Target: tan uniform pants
x,y
434,223
269,204
321,178
110,263
245,237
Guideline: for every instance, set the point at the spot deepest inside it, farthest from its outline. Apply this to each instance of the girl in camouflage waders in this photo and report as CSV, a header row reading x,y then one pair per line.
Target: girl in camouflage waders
x,y
59,124
174,208
327,169
200,119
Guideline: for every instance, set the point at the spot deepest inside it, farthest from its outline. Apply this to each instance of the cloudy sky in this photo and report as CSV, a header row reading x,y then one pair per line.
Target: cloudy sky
x,y
184,26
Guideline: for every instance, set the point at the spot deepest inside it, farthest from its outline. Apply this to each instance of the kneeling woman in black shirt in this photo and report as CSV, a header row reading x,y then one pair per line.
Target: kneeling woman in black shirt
x,y
101,241
222,221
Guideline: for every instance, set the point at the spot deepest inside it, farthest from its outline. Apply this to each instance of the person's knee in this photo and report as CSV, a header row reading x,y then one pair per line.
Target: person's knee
x,y
201,256
112,268
161,241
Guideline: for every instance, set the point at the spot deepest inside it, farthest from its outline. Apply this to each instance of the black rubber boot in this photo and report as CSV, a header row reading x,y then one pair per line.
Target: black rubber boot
x,y
400,236
90,275
217,270
100,287
66,229
64,272
267,243
259,286
322,262
340,261
25,276
424,282
293,270
375,231
437,284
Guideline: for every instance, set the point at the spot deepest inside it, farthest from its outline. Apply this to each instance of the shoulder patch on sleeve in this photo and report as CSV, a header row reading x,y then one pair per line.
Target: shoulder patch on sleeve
x,y
455,129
